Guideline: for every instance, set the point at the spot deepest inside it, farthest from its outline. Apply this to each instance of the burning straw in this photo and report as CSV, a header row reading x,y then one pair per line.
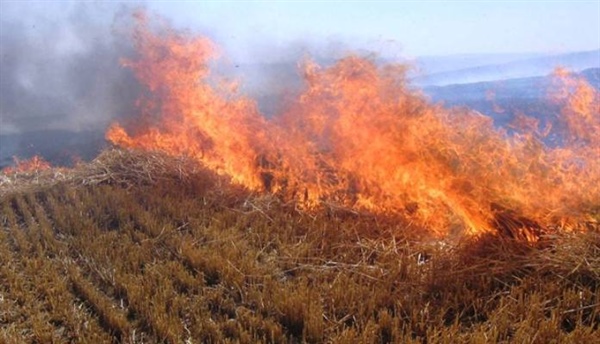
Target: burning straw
x,y
359,136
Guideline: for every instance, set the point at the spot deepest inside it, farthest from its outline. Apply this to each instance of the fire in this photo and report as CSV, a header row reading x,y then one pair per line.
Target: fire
x,y
358,135
31,165
580,105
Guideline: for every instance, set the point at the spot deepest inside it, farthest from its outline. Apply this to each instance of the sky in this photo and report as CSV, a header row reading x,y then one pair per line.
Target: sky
x,y
410,28
59,60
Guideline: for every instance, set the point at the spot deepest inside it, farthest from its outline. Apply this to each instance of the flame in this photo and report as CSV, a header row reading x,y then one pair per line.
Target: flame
x,y
31,165
580,104
358,135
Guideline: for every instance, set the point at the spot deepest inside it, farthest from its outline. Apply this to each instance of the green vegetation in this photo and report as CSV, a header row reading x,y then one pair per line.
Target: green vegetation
x,y
141,248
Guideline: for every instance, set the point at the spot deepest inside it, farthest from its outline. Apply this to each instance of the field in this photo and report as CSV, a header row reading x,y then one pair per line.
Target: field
x,y
136,248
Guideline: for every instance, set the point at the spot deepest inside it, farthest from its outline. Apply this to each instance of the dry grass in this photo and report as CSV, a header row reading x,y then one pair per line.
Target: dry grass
x,y
113,166
143,248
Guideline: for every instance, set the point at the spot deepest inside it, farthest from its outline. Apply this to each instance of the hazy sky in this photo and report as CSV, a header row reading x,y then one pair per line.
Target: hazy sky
x,y
407,28
411,28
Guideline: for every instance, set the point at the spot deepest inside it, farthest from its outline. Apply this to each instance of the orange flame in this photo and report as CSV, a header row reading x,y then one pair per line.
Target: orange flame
x,y
360,136
31,165
580,104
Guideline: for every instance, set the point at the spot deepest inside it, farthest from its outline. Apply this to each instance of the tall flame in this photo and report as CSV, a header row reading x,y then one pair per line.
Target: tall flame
x,y
360,136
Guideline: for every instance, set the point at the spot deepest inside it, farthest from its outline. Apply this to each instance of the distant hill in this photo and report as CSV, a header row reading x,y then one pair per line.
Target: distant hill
x,y
501,99
534,66
428,65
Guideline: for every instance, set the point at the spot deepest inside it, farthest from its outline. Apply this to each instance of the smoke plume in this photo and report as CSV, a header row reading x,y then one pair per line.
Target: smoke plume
x,y
61,71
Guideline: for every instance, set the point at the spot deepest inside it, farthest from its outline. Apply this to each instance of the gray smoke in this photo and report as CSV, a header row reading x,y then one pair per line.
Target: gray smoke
x,y
60,67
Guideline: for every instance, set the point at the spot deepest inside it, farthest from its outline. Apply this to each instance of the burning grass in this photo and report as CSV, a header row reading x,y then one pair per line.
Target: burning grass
x,y
358,135
181,254
363,213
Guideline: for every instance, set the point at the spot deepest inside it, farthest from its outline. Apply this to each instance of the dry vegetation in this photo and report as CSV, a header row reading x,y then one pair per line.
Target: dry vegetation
x,y
142,248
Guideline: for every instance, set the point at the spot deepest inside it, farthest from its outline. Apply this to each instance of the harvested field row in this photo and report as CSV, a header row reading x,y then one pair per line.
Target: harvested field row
x,y
190,259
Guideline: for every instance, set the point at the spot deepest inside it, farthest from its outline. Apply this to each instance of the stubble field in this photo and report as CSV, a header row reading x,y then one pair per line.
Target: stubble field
x,y
136,249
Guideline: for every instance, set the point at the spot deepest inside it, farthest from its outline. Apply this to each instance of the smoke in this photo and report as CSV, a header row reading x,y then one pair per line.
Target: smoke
x,y
62,81
271,73
60,67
